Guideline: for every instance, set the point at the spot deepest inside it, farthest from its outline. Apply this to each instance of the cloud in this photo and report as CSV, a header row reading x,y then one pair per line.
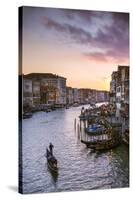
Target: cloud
x,y
52,24
96,56
87,16
111,37
104,57
77,33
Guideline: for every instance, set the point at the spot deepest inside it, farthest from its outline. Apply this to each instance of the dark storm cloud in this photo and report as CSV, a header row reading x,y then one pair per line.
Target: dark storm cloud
x,y
112,37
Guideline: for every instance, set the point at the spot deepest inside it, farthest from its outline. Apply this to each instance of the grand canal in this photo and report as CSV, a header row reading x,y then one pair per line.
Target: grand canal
x,y
79,168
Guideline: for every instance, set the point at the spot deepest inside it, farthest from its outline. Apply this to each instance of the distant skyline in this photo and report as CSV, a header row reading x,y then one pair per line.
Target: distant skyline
x,y
83,46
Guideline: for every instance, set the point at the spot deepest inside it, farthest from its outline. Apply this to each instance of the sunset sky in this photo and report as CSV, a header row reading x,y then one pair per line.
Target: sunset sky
x,y
83,46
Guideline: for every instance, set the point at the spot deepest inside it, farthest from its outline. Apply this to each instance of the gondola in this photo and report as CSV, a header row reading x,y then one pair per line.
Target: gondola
x,y
51,162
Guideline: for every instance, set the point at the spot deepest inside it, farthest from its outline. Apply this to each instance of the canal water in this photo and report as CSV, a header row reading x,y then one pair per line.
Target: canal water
x,y
79,167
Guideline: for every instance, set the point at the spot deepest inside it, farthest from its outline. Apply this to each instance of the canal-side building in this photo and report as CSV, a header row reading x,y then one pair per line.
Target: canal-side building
x,y
83,95
52,87
27,93
49,90
69,95
123,88
119,90
36,92
100,96
93,96
61,86
89,95
80,95
75,95
48,94
106,96
113,85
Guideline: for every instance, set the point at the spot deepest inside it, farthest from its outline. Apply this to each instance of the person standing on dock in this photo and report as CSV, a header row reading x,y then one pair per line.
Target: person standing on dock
x,y
51,146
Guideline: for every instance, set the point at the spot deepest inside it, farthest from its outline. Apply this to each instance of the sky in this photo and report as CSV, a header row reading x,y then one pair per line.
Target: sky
x,y
83,46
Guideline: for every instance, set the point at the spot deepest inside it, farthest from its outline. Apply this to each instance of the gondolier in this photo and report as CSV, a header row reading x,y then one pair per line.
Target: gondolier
x,y
51,146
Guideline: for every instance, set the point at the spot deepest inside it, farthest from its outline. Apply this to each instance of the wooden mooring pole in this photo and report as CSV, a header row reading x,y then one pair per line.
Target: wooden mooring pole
x,y
85,124
80,125
78,132
75,123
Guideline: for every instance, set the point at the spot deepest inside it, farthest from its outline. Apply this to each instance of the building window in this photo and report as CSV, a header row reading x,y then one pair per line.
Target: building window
x,y
26,87
118,89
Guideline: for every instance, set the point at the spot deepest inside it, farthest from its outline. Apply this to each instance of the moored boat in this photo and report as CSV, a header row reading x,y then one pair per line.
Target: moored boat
x,y
67,106
95,129
102,145
125,138
27,115
48,110
93,105
75,104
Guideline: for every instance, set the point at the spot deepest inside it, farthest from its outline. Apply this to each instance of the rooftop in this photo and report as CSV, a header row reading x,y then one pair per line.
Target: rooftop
x,y
120,67
42,75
